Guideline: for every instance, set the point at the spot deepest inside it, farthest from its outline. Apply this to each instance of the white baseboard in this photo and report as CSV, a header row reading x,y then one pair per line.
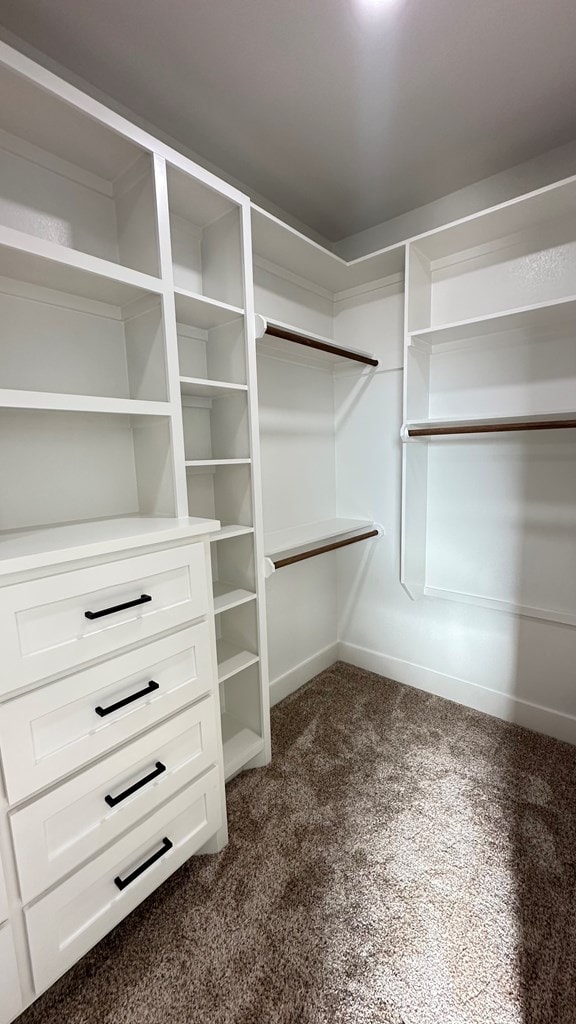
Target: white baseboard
x,y
296,677
492,702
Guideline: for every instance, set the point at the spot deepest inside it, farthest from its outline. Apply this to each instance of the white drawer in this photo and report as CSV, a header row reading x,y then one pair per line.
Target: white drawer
x,y
44,625
52,731
10,994
69,825
66,922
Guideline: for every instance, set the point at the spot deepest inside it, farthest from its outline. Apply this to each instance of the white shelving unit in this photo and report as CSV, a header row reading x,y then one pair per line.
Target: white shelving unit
x,y
489,408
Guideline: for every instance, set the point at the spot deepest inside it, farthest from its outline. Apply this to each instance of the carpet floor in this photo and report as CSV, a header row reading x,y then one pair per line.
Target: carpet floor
x,y
403,860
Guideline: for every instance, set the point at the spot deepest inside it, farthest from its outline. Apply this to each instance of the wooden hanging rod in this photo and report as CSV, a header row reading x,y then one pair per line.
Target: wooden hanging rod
x,y
321,346
491,428
281,562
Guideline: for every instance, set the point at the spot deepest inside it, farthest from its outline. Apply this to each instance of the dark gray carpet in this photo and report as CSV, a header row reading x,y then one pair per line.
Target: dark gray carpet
x,y
402,861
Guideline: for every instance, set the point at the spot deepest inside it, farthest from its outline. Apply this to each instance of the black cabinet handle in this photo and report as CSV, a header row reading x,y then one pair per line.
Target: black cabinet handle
x,y
102,712
123,882
143,599
113,800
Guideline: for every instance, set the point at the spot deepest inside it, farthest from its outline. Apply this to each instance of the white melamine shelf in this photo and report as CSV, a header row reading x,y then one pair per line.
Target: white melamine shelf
x,y
232,659
228,595
201,387
310,535
284,246
229,530
499,222
240,745
37,261
543,317
199,311
303,353
208,463
50,545
507,422
81,403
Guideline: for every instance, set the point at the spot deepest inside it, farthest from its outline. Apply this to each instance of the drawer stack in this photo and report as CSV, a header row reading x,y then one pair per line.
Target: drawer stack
x,y
110,745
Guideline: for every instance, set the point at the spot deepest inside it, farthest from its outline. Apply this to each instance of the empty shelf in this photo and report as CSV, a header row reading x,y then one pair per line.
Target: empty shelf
x,y
207,463
203,388
300,542
228,595
278,339
199,311
12,399
240,745
229,530
544,317
232,659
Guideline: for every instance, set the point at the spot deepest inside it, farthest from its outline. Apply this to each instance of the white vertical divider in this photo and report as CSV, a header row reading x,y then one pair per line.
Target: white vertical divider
x,y
414,456
256,481
170,335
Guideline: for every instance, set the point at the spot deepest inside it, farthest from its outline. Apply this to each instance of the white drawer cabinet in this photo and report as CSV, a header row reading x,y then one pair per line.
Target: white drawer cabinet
x,y
66,922
10,994
50,626
51,731
67,826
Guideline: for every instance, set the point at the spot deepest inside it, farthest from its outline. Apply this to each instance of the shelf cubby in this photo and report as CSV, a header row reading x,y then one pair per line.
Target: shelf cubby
x,y
216,430
206,240
221,492
233,573
70,180
241,719
236,640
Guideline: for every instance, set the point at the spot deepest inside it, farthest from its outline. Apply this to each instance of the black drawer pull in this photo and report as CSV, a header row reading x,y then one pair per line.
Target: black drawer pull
x,y
102,712
144,599
123,882
113,800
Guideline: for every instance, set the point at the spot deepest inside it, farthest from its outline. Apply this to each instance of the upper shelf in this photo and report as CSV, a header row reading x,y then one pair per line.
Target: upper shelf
x,y
276,338
282,547
199,311
415,429
543,317
278,242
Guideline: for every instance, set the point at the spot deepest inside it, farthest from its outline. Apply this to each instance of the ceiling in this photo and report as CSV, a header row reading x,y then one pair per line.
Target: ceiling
x,y
344,113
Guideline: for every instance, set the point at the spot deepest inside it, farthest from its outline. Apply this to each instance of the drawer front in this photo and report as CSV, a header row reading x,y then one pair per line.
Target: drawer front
x,y
53,731
50,626
65,923
67,826
10,994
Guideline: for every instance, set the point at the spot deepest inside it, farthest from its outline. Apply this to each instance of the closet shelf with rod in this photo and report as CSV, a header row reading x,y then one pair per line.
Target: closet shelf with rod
x,y
296,544
504,424
276,337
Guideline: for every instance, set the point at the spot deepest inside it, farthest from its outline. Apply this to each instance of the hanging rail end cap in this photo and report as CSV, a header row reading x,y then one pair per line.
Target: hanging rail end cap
x,y
269,567
260,325
404,432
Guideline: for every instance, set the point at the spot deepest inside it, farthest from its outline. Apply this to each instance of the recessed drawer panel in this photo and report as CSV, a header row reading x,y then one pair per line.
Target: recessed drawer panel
x,y
50,626
70,824
54,730
10,994
66,922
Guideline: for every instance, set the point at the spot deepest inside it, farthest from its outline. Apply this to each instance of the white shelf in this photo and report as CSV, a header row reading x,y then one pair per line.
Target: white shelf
x,y
232,659
543,317
280,244
241,745
295,539
301,353
198,311
10,399
505,421
228,595
50,545
37,261
229,530
201,387
208,463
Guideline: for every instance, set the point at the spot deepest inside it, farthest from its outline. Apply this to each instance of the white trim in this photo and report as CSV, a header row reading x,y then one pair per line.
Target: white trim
x,y
380,284
506,706
292,680
302,282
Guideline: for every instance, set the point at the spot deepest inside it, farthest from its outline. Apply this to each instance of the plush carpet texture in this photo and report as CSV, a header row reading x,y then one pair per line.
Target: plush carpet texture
x,y
403,860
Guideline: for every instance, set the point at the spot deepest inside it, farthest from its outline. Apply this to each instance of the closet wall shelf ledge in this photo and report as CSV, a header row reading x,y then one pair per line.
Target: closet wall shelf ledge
x,y
12,399
415,430
296,544
541,317
330,351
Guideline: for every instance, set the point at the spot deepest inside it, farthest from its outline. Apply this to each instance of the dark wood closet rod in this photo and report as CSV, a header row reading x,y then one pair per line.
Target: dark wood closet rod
x,y
281,562
322,346
491,428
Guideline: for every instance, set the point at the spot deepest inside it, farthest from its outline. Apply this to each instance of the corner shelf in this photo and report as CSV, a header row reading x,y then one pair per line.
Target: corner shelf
x,y
228,595
240,745
232,659
199,311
